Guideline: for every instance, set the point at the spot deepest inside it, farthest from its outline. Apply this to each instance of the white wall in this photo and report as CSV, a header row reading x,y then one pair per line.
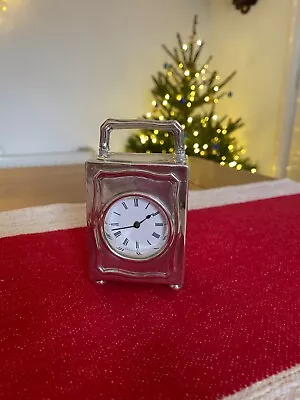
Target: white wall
x,y
68,65
256,45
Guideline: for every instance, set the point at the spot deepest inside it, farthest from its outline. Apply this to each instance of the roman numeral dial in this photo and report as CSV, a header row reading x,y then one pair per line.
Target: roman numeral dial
x,y
136,227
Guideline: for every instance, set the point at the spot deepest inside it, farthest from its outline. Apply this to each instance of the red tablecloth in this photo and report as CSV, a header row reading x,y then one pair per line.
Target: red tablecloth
x,y
235,322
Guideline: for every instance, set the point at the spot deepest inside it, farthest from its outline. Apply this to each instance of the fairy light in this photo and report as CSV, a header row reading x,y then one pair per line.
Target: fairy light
x,y
172,113
216,101
196,145
205,146
222,163
204,125
156,131
185,147
197,75
215,117
217,77
224,131
154,140
180,65
154,103
185,46
179,97
232,164
166,134
161,142
195,133
182,126
167,96
236,157
206,99
201,87
171,150
170,73
148,151
203,71
223,158
253,170
216,88
186,72
193,87
206,66
199,42
148,115
190,120
239,167
219,131
192,98
196,150
161,117
243,151
189,104
230,147
202,153
164,103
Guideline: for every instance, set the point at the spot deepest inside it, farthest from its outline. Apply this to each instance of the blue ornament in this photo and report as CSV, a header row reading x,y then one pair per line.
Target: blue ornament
x,y
166,65
229,94
216,146
182,100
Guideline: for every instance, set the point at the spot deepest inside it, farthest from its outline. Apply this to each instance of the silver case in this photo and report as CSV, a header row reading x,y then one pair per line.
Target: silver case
x,y
160,176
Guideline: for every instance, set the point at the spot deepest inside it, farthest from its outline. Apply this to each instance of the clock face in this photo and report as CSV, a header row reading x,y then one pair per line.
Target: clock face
x,y
136,227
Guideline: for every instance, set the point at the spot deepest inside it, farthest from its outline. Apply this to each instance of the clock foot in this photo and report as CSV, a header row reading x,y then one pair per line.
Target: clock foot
x,y
100,282
176,287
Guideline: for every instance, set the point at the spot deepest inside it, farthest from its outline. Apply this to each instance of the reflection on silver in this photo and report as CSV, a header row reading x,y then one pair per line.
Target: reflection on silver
x,y
137,274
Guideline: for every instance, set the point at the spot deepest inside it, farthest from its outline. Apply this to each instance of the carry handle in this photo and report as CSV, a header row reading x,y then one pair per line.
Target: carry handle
x,y
170,126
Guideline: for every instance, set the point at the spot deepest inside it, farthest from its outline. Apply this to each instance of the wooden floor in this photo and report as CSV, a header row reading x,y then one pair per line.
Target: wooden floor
x,y
35,186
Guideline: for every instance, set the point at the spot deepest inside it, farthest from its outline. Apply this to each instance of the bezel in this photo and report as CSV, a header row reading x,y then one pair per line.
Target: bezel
x,y
153,199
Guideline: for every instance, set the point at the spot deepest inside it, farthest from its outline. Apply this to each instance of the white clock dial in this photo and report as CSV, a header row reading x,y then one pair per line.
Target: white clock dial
x,y
136,227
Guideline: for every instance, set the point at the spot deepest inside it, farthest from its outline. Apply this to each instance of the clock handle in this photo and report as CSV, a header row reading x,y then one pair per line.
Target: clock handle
x,y
171,126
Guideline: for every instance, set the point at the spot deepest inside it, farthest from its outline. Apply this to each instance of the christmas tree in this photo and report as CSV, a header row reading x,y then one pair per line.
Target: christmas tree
x,y
189,92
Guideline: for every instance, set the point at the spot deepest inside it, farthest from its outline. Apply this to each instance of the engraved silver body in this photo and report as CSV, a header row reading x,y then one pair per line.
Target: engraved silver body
x,y
161,177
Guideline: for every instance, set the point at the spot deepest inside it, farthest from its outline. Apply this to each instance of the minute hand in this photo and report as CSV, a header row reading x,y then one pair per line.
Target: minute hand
x,y
124,227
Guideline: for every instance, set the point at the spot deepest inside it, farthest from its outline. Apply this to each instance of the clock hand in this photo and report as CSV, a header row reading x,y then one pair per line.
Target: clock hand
x,y
147,217
124,227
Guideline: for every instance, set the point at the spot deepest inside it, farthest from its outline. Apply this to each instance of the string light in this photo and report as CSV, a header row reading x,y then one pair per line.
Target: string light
x,y
180,65
253,170
217,77
182,126
170,73
179,97
197,75
205,66
222,163
239,166
161,117
192,98
201,87
148,151
232,164
171,150
161,142
223,158
203,71
156,132
216,101
205,146
172,113
195,133
243,151
193,87
190,120
185,46
219,131
154,140
164,103
224,131
214,117
154,103
166,134
186,72
199,42
230,147
216,88
236,157
196,145
202,153
189,104
167,96
196,150
206,99
148,115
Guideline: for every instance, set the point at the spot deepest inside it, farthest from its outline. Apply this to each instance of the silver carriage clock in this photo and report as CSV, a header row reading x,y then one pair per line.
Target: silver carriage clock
x,y
136,210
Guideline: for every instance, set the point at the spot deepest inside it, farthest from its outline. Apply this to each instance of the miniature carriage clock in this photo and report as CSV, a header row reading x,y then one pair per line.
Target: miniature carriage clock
x,y
136,209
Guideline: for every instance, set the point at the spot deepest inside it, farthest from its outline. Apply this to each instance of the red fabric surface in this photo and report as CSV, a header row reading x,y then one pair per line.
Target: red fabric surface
x,y
236,321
